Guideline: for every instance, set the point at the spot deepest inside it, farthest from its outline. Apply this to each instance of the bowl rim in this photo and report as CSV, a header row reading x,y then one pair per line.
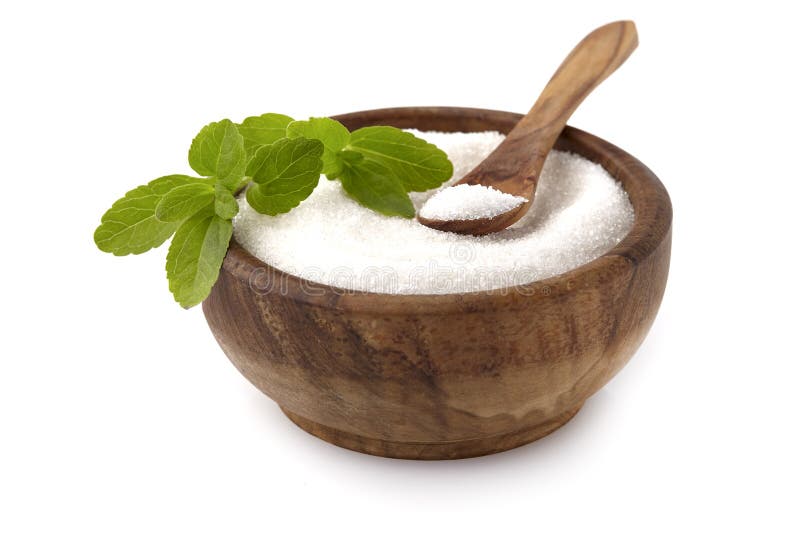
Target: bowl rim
x,y
651,227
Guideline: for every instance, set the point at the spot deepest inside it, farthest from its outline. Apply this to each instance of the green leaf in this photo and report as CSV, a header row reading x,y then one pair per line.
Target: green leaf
x,y
184,201
263,130
279,197
130,226
334,137
284,174
374,187
225,204
286,159
351,157
419,165
218,150
195,257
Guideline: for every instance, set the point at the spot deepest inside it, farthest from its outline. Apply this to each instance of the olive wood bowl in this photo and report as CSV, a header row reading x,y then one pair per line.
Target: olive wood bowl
x,y
448,376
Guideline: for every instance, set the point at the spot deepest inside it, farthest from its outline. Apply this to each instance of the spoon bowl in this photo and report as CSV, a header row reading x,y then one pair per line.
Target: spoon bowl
x,y
477,226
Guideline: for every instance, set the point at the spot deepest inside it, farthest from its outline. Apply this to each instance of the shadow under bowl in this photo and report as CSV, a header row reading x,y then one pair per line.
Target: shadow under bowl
x,y
457,375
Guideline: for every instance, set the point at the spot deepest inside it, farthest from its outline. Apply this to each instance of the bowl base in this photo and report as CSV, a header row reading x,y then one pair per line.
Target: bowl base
x,y
443,450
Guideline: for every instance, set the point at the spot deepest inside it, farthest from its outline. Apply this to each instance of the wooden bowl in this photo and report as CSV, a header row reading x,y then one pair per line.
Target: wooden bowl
x,y
448,376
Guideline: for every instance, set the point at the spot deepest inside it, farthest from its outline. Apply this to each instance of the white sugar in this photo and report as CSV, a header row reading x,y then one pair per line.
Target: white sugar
x,y
466,202
578,213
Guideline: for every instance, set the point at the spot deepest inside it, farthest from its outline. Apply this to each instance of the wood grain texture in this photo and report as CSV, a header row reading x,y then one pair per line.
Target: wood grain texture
x,y
515,165
448,376
445,450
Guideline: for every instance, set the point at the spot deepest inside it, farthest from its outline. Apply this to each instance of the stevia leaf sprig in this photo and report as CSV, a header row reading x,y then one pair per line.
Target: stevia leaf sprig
x,y
278,162
198,211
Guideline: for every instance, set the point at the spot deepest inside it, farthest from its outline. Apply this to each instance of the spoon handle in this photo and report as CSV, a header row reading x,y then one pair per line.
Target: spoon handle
x,y
523,152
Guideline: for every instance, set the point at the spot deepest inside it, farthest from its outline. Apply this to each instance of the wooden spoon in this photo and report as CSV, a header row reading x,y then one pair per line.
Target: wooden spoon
x,y
514,166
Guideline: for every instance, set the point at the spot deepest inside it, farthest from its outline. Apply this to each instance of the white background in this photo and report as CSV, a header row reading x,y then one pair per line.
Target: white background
x,y
118,411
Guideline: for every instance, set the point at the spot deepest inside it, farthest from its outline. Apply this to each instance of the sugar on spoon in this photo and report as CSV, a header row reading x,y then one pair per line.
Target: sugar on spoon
x,y
512,169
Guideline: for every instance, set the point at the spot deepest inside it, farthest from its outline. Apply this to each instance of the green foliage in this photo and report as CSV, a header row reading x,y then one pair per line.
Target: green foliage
x,y
184,201
263,130
284,174
419,165
130,226
195,257
218,151
225,204
334,137
278,161
372,186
